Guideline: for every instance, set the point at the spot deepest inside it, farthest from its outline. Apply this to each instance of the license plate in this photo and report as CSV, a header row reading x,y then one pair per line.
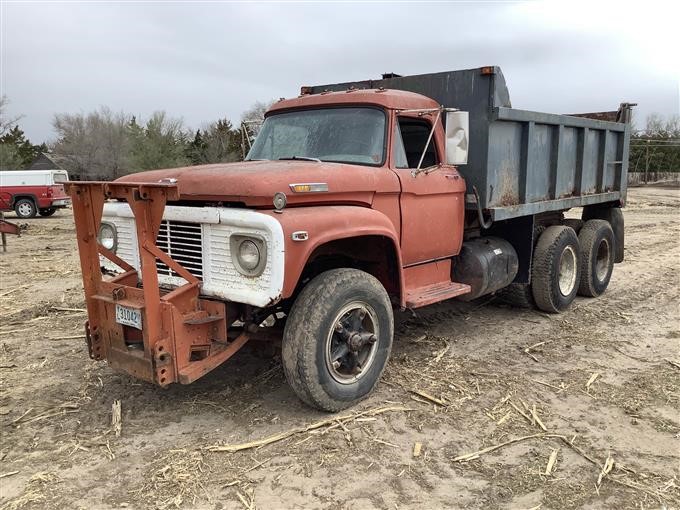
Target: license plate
x,y
128,316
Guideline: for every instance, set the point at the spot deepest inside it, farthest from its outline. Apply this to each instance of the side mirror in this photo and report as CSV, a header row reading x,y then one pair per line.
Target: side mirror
x,y
457,136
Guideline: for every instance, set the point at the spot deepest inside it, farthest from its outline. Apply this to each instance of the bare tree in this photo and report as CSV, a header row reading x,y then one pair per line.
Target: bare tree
x,y
254,116
6,122
95,145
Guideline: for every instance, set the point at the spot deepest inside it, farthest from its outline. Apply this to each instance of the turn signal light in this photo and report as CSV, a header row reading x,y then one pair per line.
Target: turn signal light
x,y
309,187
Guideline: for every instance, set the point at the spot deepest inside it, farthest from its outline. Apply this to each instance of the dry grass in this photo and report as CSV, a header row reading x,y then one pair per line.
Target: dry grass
x,y
174,480
36,493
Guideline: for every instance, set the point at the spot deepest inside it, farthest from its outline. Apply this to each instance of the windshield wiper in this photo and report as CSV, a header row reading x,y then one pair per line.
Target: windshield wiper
x,y
300,158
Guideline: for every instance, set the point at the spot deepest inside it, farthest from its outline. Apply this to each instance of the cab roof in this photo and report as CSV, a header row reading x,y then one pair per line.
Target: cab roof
x,y
386,98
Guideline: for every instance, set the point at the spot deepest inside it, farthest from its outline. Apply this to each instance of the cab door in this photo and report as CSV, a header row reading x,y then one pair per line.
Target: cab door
x,y
432,199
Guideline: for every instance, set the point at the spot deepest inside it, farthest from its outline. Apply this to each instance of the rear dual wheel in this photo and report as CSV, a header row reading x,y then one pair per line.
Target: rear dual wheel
x,y
565,264
556,269
597,257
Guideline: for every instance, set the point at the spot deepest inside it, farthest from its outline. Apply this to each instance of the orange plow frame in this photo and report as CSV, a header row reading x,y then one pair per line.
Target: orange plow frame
x,y
183,336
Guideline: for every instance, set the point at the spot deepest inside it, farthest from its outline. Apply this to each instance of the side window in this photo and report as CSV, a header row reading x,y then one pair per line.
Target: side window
x,y
398,152
410,141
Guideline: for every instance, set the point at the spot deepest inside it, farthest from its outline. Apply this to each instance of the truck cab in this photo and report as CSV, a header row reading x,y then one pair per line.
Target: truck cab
x,y
350,204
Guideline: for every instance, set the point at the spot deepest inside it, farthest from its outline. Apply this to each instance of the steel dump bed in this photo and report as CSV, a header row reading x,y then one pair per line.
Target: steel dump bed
x,y
523,162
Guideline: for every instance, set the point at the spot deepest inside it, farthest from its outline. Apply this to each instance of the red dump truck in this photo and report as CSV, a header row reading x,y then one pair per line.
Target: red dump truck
x,y
355,199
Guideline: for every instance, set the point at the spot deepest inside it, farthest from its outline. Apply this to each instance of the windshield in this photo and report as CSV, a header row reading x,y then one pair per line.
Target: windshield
x,y
346,135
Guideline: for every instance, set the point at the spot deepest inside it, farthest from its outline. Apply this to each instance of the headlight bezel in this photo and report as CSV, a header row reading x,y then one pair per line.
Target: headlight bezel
x,y
235,242
114,237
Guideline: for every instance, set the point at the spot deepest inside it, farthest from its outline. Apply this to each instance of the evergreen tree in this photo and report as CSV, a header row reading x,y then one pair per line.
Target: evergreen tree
x,y
196,149
219,142
160,144
17,151
9,157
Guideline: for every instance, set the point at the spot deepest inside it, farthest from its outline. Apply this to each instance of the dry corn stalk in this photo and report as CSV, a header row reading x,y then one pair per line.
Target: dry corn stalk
x,y
606,469
116,417
552,460
299,430
592,380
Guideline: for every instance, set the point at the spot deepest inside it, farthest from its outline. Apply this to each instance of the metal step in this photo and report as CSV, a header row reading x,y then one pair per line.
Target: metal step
x,y
428,294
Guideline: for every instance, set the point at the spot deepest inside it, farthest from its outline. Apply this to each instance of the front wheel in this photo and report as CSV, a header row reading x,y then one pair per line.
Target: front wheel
x,y
337,339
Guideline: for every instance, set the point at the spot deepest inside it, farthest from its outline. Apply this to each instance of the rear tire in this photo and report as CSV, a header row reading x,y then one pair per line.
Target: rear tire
x,y
556,269
49,211
337,339
574,223
25,208
597,257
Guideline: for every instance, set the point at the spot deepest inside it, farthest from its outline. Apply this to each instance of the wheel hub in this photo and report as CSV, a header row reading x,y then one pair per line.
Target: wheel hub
x,y
602,260
352,342
567,271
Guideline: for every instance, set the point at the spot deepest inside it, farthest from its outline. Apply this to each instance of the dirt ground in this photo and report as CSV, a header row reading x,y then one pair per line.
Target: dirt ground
x,y
597,388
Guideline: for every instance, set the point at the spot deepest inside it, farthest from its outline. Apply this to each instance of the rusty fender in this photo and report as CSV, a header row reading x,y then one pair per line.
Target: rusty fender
x,y
323,224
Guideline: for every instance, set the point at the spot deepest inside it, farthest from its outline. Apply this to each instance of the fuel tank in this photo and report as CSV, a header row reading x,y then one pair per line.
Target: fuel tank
x,y
486,264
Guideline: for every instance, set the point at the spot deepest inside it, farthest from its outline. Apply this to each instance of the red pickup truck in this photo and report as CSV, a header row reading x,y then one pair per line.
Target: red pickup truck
x,y
29,192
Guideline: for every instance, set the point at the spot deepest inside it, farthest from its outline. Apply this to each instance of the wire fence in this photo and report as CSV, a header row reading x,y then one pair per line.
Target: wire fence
x,y
654,154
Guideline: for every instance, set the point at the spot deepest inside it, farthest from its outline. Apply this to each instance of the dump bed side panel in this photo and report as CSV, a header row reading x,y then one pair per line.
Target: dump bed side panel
x,y
539,162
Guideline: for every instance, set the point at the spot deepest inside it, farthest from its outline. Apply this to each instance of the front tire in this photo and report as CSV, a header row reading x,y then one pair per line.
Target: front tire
x,y
556,269
25,208
337,339
597,257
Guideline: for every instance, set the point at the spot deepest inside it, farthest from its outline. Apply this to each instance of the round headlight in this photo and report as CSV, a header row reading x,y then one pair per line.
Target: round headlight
x,y
107,236
248,255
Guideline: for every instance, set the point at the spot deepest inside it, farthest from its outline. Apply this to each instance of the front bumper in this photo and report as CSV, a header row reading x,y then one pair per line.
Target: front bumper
x,y
183,336
194,339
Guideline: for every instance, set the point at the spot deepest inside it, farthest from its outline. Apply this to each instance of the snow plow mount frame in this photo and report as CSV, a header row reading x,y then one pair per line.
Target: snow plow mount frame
x,y
183,336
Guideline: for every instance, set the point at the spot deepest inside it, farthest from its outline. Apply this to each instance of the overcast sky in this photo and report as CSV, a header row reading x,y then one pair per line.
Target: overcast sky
x,y
202,61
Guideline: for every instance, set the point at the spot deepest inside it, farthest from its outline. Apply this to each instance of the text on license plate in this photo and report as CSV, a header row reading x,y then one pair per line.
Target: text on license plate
x,y
129,316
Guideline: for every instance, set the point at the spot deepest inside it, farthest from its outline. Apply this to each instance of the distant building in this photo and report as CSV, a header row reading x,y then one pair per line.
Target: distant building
x,y
47,161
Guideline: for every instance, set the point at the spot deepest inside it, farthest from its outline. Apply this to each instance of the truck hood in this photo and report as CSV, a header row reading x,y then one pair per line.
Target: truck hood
x,y
254,183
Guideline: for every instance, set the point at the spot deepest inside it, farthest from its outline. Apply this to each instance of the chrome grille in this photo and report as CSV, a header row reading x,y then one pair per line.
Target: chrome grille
x,y
183,242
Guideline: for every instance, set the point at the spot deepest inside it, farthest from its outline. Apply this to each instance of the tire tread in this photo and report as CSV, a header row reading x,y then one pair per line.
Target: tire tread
x,y
299,361
587,236
543,275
